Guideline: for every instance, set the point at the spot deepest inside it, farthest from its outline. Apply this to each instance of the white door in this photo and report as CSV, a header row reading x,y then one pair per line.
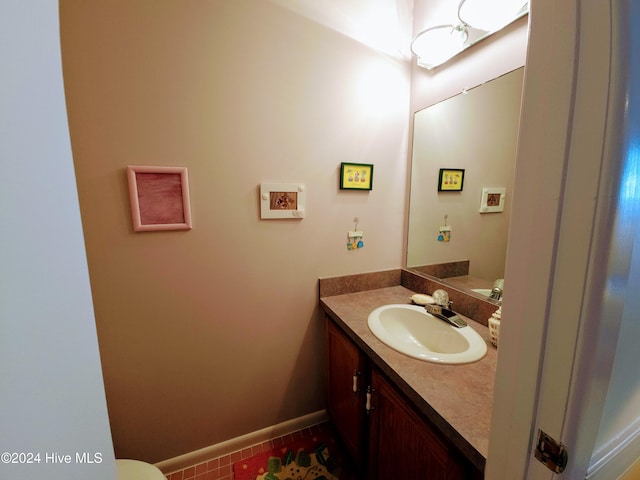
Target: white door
x,y
567,243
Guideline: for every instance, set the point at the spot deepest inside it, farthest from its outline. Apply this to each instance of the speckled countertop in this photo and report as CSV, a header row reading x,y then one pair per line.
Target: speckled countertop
x,y
457,399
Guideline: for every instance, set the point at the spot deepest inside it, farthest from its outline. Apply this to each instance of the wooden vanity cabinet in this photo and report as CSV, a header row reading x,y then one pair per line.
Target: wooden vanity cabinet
x,y
390,440
346,380
403,445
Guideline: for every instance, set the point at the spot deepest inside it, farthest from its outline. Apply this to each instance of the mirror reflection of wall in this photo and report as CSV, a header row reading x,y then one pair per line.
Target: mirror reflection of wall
x,y
476,131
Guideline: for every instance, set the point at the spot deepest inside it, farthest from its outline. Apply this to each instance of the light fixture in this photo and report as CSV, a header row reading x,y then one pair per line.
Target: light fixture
x,y
490,15
436,45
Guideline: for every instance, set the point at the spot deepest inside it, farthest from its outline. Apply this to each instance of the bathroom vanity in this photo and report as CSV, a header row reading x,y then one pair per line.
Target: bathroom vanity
x,y
400,417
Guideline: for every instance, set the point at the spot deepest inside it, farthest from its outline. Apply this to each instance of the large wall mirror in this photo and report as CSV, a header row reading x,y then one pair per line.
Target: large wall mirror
x,y
475,131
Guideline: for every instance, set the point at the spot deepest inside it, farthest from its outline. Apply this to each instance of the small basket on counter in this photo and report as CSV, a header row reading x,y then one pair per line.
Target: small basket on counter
x,y
494,326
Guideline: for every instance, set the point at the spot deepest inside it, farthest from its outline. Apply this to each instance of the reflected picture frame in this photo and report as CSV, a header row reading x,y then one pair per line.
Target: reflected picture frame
x,y
159,198
492,199
451,180
356,176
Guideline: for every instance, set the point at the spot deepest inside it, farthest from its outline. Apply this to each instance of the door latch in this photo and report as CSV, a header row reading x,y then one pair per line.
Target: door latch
x,y
551,453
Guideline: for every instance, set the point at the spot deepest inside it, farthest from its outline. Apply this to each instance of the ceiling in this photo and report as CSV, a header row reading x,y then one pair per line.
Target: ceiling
x,y
383,25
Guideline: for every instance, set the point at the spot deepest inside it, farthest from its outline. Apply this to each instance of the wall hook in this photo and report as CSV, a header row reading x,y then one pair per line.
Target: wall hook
x,y
445,230
354,238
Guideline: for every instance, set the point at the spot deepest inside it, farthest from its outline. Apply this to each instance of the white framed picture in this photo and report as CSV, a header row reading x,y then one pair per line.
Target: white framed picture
x,y
282,200
159,198
492,199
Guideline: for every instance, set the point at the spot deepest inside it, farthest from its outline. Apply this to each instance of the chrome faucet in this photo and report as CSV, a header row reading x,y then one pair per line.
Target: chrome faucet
x,y
445,314
496,292
442,309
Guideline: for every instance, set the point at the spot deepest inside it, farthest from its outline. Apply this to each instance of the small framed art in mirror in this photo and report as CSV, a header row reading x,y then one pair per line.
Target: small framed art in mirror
x,y
492,199
450,180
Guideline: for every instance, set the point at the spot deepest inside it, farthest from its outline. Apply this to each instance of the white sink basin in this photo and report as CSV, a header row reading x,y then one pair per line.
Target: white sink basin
x,y
482,291
409,329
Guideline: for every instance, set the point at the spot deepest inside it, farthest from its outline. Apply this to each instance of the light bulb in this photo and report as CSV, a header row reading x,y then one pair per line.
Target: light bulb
x,y
436,45
489,15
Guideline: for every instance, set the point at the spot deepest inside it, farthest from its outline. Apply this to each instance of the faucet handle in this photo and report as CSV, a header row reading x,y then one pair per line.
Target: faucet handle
x,y
441,297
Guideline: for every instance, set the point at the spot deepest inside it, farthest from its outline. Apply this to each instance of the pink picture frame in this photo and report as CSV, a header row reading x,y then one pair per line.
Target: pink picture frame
x,y
159,198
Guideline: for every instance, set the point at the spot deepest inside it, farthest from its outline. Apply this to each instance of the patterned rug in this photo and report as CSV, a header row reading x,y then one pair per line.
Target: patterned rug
x,y
303,459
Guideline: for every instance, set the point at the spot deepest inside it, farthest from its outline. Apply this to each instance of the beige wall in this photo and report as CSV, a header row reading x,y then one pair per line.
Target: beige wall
x,y
215,332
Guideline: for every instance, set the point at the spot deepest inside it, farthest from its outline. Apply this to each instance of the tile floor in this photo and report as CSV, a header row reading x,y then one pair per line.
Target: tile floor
x,y
222,468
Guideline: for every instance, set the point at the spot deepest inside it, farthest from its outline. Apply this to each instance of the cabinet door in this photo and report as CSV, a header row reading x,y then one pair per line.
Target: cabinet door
x,y
346,371
403,445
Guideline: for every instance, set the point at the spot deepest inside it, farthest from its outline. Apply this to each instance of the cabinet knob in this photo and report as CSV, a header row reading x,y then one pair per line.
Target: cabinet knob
x,y
356,374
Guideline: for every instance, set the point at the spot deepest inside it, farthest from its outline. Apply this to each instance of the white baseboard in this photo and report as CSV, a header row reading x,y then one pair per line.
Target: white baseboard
x,y
617,457
239,443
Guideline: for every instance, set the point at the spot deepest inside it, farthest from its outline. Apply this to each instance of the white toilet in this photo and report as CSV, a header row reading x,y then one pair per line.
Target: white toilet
x,y
137,470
